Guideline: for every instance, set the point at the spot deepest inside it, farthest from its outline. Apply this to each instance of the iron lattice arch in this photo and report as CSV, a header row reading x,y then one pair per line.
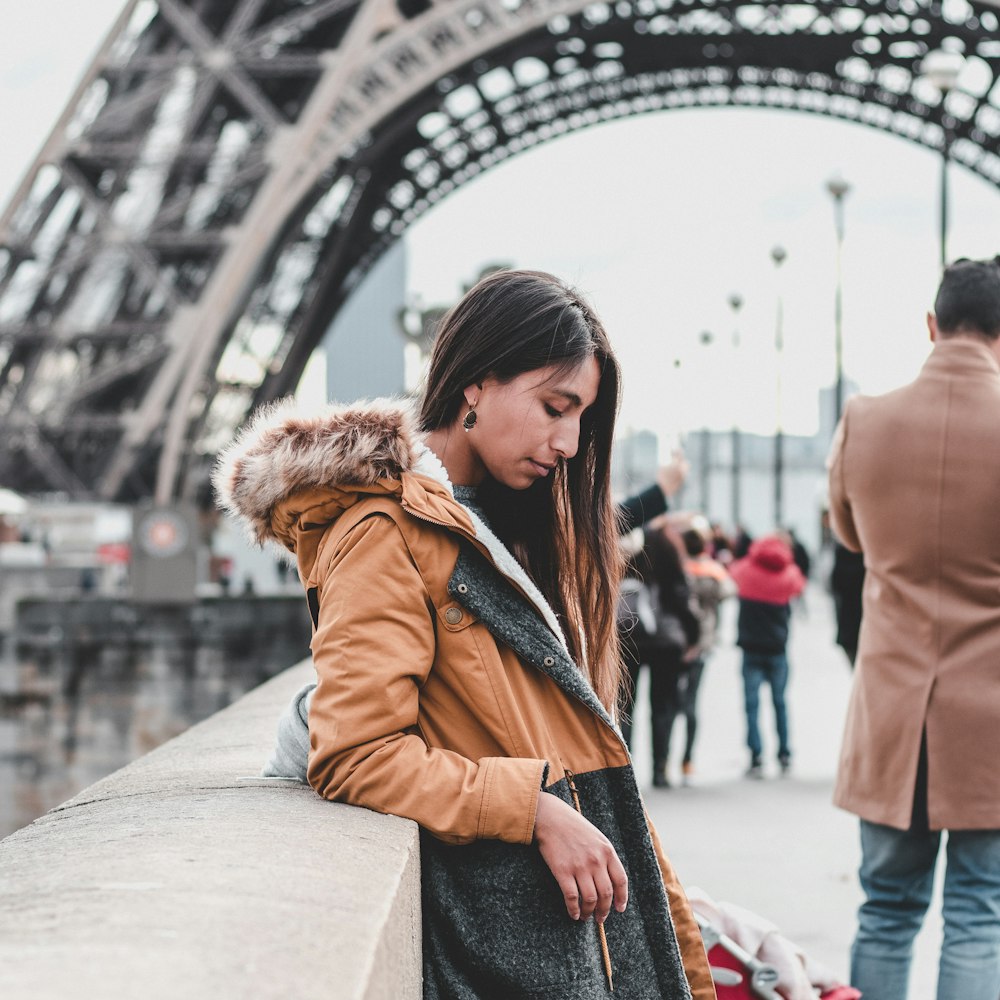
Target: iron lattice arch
x,y
227,173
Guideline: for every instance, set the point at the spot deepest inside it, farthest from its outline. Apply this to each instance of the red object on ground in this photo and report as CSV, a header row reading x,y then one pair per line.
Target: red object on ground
x,y
740,976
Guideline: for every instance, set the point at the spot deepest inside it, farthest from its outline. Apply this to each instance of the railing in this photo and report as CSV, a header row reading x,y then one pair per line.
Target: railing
x,y
186,876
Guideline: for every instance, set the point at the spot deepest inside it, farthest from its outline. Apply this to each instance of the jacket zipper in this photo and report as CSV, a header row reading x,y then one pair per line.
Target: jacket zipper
x,y
601,936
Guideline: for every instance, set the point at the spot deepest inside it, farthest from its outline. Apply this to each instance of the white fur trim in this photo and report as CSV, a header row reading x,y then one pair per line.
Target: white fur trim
x,y
426,463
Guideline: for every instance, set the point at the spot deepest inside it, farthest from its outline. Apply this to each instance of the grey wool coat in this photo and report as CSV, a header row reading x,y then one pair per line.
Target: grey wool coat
x,y
457,709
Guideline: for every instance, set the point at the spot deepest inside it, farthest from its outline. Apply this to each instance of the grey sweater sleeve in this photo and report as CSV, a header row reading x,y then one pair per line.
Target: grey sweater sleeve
x,y
290,756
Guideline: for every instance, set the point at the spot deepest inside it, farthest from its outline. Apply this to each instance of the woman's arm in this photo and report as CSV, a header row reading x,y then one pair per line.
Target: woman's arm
x,y
643,507
373,648
636,511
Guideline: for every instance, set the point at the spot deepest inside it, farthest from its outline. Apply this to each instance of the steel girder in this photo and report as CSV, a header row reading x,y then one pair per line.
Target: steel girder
x,y
227,172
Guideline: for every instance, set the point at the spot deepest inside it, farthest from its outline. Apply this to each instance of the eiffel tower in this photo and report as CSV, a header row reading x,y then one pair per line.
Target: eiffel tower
x,y
228,171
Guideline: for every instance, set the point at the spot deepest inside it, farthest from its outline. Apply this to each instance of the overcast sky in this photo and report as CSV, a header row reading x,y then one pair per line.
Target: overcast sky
x,y
658,219
661,218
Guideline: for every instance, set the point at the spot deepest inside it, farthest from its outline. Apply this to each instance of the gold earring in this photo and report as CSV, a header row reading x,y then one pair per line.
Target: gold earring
x,y
470,420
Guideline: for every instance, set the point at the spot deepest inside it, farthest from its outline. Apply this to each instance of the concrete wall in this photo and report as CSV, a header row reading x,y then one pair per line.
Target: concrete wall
x,y
18,582
185,875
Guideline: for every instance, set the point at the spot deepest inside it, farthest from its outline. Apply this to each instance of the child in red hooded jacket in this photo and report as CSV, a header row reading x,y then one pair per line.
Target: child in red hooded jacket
x,y
766,579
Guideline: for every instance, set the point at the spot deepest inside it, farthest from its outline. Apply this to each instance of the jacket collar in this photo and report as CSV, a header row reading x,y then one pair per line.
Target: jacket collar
x,y
480,587
961,356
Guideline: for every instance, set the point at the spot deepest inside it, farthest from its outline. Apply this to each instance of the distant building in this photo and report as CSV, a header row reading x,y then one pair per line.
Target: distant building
x,y
803,479
364,358
365,345
827,409
709,486
634,462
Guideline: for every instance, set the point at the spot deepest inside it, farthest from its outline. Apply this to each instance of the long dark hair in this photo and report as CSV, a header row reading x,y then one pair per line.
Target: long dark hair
x,y
660,564
563,529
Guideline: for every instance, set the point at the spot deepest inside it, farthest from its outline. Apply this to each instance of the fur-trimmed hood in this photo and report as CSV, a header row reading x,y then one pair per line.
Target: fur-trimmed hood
x,y
289,474
284,450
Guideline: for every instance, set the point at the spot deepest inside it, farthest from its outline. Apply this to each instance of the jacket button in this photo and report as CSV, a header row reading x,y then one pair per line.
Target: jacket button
x,y
462,588
549,661
453,616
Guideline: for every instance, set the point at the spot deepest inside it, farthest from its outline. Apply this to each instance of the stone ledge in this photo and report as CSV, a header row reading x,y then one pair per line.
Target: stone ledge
x,y
185,875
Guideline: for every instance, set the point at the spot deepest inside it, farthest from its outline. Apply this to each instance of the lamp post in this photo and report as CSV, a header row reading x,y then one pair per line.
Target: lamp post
x,y
736,304
778,255
705,338
942,69
839,189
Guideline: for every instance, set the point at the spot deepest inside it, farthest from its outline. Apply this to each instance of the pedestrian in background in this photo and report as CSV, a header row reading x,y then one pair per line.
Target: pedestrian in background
x,y
847,580
667,648
802,559
914,483
710,585
741,542
766,579
720,545
800,554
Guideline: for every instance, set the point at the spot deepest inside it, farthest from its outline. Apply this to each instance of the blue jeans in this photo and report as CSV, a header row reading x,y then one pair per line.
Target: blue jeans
x,y
773,668
897,873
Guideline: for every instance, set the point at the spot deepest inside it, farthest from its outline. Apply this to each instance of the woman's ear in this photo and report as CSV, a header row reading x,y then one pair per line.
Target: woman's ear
x,y
471,393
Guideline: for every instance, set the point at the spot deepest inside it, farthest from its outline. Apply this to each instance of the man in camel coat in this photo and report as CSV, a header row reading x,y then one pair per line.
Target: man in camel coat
x,y
915,485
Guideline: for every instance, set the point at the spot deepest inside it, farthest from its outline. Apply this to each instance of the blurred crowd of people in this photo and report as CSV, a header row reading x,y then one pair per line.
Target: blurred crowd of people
x,y
916,560
680,569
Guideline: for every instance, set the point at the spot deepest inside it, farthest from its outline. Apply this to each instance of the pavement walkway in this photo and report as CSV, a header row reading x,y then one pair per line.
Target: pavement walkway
x,y
775,846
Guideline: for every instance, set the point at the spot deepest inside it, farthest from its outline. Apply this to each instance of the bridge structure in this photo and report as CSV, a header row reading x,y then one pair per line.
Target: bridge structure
x,y
227,172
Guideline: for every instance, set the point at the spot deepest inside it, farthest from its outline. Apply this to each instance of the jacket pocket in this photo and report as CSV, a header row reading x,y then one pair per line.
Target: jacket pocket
x,y
495,926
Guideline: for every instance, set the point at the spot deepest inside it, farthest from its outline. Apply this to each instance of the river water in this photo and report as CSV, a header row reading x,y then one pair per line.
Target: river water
x,y
70,717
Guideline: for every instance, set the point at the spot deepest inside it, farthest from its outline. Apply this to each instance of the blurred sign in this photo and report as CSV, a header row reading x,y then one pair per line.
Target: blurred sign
x,y
164,554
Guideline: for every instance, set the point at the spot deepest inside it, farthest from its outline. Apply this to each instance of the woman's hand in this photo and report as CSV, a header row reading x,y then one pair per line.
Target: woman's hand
x,y
582,860
670,477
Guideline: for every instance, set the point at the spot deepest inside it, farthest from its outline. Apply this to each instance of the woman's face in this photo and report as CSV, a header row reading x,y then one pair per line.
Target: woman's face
x,y
525,426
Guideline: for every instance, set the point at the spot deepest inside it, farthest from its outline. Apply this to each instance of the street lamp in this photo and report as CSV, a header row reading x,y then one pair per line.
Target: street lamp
x,y
839,189
942,69
778,255
705,338
736,304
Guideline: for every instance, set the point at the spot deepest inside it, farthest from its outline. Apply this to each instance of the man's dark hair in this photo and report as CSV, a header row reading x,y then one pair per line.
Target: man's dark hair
x,y
968,300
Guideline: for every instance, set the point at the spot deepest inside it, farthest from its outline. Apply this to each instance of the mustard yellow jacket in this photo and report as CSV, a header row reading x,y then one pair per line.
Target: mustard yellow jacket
x,y
445,694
